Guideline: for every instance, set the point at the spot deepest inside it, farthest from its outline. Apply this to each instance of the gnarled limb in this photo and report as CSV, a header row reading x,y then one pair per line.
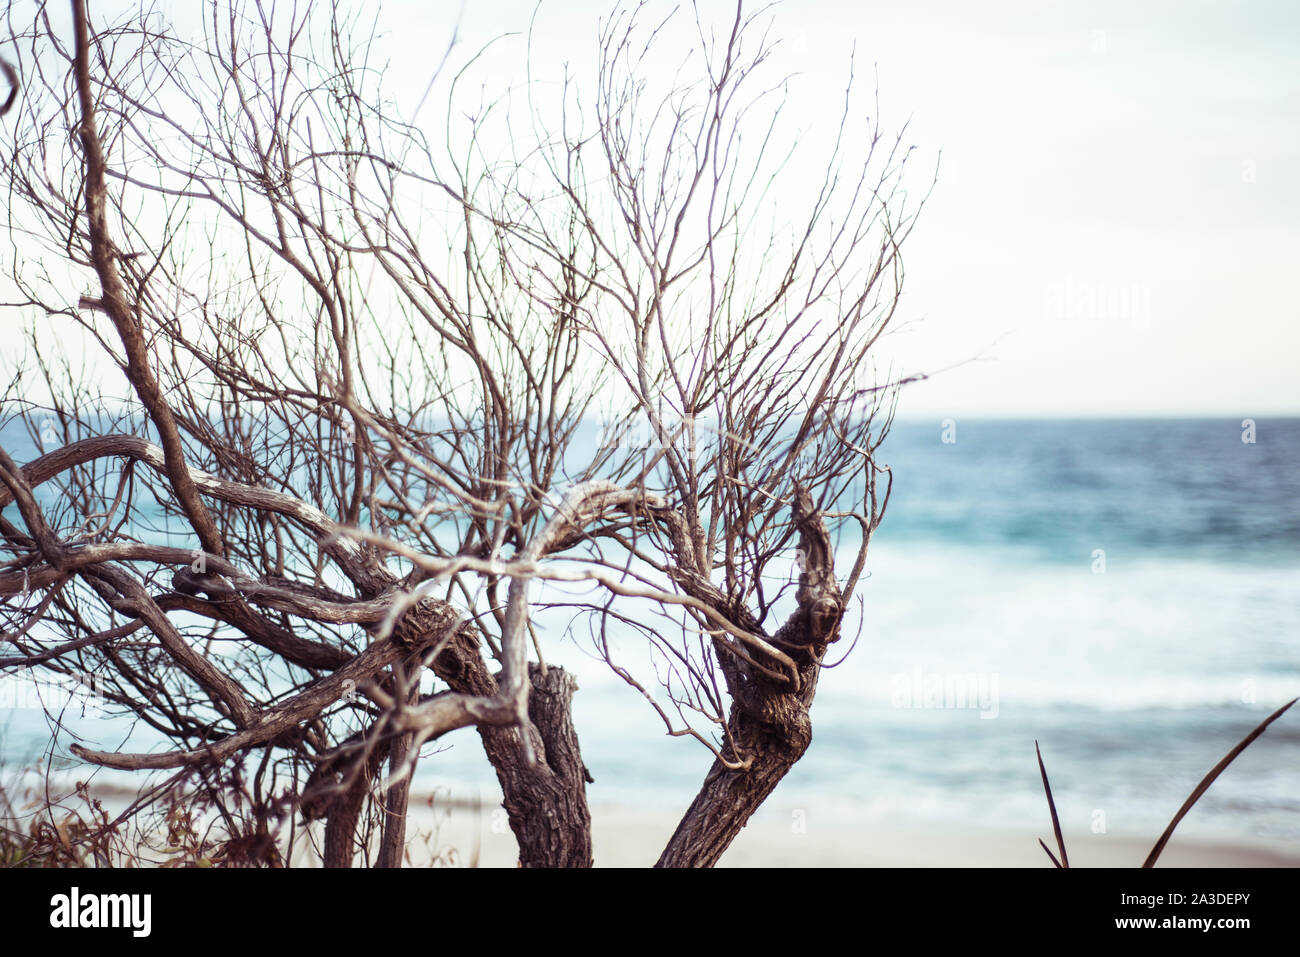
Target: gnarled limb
x,y
769,727
439,715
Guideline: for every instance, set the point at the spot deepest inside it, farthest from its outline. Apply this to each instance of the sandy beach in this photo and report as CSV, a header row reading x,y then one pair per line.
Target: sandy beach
x,y
455,832
780,837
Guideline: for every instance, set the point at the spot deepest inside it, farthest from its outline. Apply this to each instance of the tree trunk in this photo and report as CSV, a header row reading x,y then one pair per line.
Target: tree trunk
x,y
769,725
392,841
546,803
728,797
344,811
341,824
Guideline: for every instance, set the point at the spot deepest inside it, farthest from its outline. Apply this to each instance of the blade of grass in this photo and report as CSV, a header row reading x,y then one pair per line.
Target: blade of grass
x,y
1056,823
1209,779
1049,852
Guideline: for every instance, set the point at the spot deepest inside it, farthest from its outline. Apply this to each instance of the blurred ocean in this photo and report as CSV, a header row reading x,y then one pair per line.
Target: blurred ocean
x,y
1126,592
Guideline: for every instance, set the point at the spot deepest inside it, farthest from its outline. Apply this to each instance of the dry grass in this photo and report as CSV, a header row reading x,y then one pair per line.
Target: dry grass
x,y
1197,792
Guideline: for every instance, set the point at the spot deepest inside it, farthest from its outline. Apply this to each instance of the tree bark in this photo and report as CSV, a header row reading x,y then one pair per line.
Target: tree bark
x,y
546,803
341,824
769,727
728,797
344,811
392,843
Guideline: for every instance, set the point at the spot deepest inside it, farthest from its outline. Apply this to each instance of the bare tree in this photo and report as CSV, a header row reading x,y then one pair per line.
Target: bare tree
x,y
342,437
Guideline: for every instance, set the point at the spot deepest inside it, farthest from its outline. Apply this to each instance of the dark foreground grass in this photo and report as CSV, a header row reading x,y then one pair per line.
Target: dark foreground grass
x,y
1200,789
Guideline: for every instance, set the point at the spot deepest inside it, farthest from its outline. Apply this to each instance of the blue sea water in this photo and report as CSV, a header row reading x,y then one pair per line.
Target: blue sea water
x,y
1125,592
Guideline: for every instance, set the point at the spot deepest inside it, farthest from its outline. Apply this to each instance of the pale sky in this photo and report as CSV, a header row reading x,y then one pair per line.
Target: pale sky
x,y
1116,228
